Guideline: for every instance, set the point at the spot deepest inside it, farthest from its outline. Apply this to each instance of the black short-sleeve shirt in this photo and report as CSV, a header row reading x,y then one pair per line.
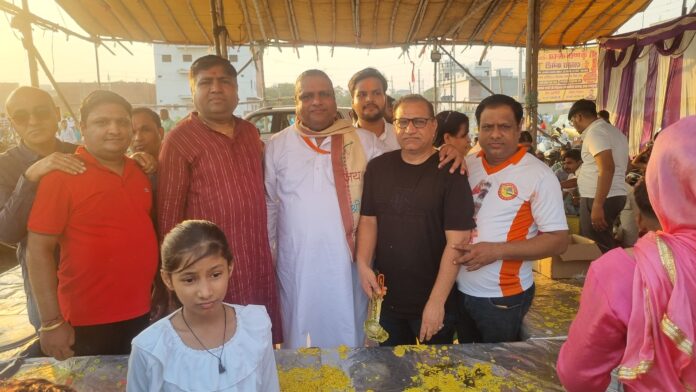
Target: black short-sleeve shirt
x,y
414,205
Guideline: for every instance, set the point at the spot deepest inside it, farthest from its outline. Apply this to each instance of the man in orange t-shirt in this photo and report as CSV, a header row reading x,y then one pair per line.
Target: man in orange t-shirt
x,y
98,298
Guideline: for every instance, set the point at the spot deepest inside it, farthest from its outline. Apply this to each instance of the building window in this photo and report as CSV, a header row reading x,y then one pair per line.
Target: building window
x,y
166,58
187,58
232,58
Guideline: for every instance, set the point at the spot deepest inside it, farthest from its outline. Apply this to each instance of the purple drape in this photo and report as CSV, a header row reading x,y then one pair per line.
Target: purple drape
x,y
650,97
623,108
673,94
616,49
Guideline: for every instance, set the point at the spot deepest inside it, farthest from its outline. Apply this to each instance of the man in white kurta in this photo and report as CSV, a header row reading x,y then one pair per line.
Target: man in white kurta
x,y
322,303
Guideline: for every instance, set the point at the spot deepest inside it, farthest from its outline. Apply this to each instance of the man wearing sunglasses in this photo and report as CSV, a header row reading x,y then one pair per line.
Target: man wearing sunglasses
x,y
412,214
35,118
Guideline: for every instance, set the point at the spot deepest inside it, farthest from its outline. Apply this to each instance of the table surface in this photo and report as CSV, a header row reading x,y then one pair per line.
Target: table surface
x,y
521,366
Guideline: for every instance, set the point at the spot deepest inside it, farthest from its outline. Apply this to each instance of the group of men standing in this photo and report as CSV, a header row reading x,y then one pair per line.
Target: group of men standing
x,y
341,200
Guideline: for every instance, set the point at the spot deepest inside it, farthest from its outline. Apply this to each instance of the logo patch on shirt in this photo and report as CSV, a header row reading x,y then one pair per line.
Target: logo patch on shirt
x,y
507,191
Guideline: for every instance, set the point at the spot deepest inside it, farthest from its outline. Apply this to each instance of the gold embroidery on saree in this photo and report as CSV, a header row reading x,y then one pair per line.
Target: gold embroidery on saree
x,y
626,373
667,259
676,336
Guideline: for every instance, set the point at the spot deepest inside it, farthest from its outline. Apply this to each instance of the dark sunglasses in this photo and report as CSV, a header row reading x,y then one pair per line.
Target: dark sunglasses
x,y
41,113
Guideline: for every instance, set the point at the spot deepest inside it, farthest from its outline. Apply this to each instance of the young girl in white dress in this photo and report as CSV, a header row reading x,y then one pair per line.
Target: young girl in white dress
x,y
206,345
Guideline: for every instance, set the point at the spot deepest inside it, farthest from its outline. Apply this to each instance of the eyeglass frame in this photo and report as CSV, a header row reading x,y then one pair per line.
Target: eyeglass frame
x,y
412,121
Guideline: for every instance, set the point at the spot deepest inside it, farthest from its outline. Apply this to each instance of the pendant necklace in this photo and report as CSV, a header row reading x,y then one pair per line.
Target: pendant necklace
x,y
221,369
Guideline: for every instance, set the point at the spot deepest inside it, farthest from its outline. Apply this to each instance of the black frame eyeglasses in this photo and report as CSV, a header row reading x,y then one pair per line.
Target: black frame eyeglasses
x,y
418,122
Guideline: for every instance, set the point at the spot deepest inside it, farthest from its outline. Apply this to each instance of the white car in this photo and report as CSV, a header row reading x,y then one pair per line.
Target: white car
x,y
270,120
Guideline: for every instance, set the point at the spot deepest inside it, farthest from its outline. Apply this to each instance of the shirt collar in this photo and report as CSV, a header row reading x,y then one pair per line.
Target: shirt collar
x,y
513,160
88,158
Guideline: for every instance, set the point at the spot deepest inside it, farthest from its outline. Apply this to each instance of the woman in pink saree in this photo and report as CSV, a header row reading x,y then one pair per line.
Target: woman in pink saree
x,y
638,307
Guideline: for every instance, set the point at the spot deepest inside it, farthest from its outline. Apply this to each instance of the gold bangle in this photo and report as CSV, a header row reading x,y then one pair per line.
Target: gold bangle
x,y
51,327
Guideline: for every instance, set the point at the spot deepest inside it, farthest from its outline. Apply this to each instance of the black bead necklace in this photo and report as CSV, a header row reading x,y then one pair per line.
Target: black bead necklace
x,y
221,369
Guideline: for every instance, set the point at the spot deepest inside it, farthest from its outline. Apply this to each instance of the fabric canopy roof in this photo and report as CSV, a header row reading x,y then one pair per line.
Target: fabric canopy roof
x,y
356,23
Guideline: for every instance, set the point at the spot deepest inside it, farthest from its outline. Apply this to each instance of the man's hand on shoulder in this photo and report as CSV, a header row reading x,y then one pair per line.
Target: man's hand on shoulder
x,y
67,163
475,256
450,154
147,162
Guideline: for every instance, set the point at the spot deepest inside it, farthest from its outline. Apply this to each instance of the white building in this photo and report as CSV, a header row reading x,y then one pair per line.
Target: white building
x,y
172,63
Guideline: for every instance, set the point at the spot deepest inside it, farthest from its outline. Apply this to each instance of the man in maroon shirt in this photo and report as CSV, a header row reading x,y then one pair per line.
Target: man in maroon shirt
x,y
210,168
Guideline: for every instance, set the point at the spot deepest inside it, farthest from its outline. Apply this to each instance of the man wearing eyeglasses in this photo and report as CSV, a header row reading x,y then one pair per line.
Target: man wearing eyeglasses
x,y
35,118
368,91
412,214
314,171
519,218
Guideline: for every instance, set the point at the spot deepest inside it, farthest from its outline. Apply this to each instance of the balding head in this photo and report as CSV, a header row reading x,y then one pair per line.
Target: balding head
x,y
315,101
33,115
24,92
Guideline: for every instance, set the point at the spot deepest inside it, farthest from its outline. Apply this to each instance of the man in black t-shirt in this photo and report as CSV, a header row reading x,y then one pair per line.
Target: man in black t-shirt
x,y
410,213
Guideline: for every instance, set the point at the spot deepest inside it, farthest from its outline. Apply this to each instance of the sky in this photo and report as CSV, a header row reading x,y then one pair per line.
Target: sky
x,y
72,59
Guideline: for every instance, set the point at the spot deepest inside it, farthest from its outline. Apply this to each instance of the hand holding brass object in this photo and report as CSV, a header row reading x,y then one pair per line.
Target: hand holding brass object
x,y
373,329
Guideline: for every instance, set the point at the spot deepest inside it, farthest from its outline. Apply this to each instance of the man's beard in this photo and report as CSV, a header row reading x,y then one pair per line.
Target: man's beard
x,y
373,117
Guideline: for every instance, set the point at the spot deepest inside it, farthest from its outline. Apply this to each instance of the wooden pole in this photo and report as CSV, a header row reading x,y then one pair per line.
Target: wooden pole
x,y
50,77
532,66
214,17
222,29
25,27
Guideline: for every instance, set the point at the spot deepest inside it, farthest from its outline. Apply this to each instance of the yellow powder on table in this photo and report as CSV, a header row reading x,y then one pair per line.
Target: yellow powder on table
x,y
327,378
456,378
343,351
400,351
309,351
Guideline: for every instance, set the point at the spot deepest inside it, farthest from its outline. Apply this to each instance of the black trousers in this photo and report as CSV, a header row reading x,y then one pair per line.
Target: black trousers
x,y
612,209
108,339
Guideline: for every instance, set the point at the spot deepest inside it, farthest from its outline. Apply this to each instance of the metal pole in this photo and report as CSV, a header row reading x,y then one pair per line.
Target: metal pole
x,y
467,71
96,58
684,8
519,75
532,66
25,26
435,86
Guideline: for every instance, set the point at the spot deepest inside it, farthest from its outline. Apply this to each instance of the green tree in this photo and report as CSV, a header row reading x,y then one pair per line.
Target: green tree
x,y
281,94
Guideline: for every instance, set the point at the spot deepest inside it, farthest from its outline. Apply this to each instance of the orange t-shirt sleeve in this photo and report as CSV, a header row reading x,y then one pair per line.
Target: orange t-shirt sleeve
x,y
51,209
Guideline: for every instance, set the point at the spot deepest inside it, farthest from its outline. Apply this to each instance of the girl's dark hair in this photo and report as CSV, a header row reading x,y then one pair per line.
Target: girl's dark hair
x,y
449,122
190,241
640,195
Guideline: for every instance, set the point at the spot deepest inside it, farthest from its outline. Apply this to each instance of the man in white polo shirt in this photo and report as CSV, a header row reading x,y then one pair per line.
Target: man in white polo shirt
x,y
601,181
519,217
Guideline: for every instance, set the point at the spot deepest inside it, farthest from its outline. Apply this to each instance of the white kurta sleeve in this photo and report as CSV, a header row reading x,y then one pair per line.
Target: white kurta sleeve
x,y
143,373
272,200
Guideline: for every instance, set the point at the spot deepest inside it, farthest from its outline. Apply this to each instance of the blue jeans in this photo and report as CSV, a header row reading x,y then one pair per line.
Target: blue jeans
x,y
492,320
405,331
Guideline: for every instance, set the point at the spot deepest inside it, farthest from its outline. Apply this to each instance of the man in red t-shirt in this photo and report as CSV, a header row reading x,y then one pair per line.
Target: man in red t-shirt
x,y
98,298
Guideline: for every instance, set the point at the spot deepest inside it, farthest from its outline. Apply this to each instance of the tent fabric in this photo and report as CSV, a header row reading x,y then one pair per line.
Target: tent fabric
x,y
356,23
647,78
